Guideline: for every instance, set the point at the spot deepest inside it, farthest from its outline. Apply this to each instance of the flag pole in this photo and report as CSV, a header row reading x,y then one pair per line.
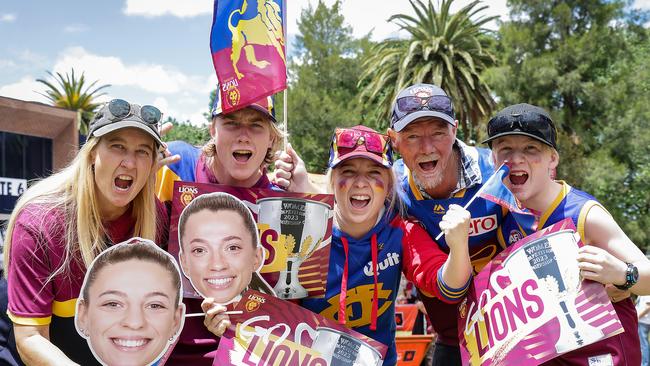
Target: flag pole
x,y
286,91
286,121
480,190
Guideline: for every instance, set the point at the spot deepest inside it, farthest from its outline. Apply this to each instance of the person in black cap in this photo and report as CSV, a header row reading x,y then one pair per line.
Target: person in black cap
x,y
59,225
436,171
524,137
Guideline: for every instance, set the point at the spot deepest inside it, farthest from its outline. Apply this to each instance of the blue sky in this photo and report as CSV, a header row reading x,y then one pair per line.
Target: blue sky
x,y
150,51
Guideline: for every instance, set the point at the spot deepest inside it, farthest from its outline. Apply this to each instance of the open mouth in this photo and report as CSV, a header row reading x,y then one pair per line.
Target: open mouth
x,y
123,182
221,282
359,201
518,178
242,156
428,166
130,344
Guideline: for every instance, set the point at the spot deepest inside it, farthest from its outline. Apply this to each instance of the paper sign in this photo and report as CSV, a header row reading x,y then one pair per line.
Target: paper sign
x,y
271,331
529,304
295,230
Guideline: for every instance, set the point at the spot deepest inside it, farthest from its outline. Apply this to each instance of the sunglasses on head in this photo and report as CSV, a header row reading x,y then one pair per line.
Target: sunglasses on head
x,y
437,103
529,122
350,138
119,109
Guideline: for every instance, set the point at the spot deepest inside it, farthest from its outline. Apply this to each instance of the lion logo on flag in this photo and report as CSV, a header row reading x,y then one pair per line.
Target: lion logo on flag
x,y
264,29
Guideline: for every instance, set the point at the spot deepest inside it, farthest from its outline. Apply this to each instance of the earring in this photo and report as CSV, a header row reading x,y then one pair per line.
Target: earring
x,y
171,339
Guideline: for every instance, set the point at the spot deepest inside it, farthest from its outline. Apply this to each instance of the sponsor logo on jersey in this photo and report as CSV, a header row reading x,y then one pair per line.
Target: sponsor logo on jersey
x,y
515,236
392,259
482,225
438,209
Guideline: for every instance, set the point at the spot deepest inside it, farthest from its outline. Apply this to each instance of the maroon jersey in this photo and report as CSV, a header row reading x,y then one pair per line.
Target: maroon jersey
x,y
37,250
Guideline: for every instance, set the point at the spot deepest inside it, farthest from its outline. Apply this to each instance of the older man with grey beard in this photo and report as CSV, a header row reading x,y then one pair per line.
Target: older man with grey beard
x,y
436,170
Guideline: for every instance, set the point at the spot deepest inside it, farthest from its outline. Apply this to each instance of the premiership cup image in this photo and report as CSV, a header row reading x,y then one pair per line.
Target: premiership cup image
x,y
303,224
559,278
341,349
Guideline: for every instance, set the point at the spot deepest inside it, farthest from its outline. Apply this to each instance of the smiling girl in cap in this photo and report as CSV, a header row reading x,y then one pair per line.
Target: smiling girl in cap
x,y
524,137
372,244
59,225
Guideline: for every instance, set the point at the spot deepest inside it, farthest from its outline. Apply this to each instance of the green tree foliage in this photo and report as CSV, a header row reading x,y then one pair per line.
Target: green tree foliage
x,y
72,93
185,131
322,82
585,62
619,169
553,52
446,49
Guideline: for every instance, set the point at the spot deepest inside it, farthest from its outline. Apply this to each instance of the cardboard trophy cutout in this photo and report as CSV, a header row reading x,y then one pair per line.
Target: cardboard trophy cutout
x,y
130,308
295,232
529,304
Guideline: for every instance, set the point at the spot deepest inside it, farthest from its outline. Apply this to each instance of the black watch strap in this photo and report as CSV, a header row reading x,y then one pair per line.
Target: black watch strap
x,y
631,277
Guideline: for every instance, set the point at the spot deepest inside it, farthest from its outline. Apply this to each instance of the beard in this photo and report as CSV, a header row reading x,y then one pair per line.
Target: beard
x,y
432,182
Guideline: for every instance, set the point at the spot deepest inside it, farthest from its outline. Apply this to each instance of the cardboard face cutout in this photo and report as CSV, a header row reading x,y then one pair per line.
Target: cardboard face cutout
x,y
130,308
219,248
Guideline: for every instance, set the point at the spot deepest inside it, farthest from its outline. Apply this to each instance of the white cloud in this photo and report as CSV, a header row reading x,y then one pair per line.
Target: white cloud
x,y
642,4
75,28
159,79
177,94
7,18
155,8
26,89
365,16
6,63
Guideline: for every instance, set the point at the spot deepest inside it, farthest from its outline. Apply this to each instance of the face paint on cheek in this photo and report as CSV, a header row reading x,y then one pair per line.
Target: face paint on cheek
x,y
343,182
378,184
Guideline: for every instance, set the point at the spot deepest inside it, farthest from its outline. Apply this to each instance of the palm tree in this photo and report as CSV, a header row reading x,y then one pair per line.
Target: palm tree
x,y
445,49
73,96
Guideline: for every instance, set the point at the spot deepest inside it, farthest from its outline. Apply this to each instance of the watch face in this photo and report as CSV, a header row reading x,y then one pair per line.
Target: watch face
x,y
635,273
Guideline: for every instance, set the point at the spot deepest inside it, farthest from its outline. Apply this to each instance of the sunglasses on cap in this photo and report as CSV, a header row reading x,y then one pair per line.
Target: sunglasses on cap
x,y
347,143
413,103
119,109
531,124
119,113
350,138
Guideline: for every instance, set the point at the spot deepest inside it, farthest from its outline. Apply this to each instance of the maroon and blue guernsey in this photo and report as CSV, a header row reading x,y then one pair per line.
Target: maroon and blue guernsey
x,y
622,349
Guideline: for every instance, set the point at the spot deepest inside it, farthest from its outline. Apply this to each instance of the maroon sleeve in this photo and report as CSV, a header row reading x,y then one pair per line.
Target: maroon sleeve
x,y
162,223
30,293
422,258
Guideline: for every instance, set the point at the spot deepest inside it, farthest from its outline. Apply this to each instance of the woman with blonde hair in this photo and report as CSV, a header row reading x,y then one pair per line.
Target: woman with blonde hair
x,y
105,196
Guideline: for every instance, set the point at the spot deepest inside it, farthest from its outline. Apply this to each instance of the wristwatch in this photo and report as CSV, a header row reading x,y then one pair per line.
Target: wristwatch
x,y
631,277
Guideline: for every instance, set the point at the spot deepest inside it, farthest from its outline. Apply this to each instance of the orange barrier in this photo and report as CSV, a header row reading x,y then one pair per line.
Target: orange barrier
x,y
405,315
411,349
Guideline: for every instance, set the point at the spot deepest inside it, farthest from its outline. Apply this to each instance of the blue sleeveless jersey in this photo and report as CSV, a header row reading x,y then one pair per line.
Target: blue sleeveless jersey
x,y
621,349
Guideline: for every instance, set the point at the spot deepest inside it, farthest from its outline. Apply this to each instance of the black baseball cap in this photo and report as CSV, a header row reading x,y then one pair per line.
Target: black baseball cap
x,y
523,119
